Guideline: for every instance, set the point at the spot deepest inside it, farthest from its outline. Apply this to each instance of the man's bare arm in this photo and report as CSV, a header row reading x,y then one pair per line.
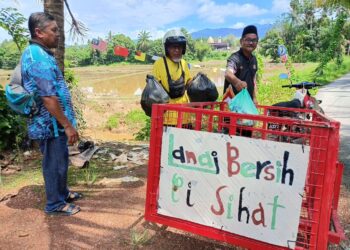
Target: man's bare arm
x,y
237,83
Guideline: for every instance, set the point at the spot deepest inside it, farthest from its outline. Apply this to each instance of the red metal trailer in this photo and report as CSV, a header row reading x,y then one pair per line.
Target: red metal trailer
x,y
318,221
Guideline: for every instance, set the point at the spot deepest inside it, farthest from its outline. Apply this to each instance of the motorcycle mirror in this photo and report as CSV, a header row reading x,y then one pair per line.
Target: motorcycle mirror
x,y
283,76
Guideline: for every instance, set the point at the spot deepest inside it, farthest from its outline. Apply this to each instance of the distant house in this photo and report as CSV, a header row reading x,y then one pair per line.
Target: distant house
x,y
218,44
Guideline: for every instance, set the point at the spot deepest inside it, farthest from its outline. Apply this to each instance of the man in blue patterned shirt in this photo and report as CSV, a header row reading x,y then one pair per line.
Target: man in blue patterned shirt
x,y
55,125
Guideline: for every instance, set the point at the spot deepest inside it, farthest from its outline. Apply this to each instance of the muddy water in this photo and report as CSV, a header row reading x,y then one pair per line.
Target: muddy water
x,y
128,81
125,80
113,89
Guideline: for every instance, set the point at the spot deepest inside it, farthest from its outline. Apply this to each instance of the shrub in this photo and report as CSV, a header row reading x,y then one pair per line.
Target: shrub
x,y
145,131
13,128
135,118
113,121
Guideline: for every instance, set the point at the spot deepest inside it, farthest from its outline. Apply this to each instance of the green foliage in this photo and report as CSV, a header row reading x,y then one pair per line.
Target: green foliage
x,y
309,33
12,21
272,92
145,132
135,118
332,71
12,126
259,73
156,47
78,55
121,40
202,49
77,97
232,41
113,121
333,50
268,45
90,174
218,55
191,49
9,55
143,41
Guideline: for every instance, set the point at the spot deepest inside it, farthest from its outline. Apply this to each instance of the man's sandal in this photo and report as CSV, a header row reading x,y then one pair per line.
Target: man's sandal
x,y
73,196
66,210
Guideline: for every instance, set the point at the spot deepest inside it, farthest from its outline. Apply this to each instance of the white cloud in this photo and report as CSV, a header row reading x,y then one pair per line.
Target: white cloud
x,y
266,21
238,25
127,16
215,13
280,6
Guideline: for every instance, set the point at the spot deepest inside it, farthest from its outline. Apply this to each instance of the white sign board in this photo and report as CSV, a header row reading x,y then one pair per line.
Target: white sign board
x,y
250,187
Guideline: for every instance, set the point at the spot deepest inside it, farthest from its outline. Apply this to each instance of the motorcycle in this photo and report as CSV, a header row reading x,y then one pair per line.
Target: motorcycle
x,y
302,99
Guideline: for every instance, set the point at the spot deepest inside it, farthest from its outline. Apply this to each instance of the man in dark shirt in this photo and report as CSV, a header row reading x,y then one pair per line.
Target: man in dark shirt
x,y
241,69
242,65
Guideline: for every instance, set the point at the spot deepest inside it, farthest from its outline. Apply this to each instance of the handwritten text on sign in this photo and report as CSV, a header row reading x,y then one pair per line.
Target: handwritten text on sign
x,y
240,185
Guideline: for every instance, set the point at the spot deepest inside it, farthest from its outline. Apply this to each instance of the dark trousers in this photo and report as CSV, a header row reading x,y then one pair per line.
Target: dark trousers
x,y
55,170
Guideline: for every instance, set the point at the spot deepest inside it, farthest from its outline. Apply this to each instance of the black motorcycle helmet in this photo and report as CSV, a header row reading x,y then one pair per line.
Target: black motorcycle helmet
x,y
174,37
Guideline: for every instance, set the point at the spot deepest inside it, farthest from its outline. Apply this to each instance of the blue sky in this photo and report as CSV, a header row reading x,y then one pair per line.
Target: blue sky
x,y
157,16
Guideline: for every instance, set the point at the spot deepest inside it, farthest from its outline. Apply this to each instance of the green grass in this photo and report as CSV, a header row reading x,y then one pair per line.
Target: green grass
x,y
87,175
135,118
113,121
22,178
334,71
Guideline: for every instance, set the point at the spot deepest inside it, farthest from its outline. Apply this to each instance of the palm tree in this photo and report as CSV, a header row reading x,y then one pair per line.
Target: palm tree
x,y
143,39
56,8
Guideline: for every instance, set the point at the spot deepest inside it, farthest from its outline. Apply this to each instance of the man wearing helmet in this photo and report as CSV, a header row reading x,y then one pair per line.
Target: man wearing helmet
x,y
173,73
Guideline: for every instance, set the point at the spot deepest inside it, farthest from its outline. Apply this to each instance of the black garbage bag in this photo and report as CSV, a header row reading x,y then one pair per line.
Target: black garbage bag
x,y
152,93
202,89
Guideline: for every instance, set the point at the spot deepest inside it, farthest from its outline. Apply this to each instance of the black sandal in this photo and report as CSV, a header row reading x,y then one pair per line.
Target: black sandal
x,y
73,196
66,210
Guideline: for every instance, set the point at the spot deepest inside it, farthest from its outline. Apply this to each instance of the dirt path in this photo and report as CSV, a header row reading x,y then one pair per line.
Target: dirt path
x,y
111,218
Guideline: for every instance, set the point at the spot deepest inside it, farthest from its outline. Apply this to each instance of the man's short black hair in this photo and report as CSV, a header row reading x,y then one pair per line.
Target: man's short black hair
x,y
38,20
250,29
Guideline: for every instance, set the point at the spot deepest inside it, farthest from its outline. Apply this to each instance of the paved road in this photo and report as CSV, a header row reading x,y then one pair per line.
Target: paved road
x,y
336,104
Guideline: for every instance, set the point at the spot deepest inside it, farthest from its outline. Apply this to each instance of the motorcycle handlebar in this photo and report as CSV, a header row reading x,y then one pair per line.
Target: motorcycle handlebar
x,y
306,85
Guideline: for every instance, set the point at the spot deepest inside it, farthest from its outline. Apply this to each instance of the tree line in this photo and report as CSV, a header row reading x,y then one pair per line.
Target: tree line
x,y
85,55
312,32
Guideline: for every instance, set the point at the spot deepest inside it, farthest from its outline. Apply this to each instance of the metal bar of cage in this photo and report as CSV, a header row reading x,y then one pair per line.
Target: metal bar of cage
x,y
321,192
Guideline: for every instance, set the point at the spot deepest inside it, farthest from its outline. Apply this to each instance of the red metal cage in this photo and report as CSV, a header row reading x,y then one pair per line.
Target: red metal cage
x,y
318,224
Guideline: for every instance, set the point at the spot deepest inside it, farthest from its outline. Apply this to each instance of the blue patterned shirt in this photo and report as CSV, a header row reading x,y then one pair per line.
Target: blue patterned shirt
x,y
42,76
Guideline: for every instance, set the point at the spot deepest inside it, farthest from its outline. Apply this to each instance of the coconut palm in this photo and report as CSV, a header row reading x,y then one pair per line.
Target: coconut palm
x,y
56,8
143,40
